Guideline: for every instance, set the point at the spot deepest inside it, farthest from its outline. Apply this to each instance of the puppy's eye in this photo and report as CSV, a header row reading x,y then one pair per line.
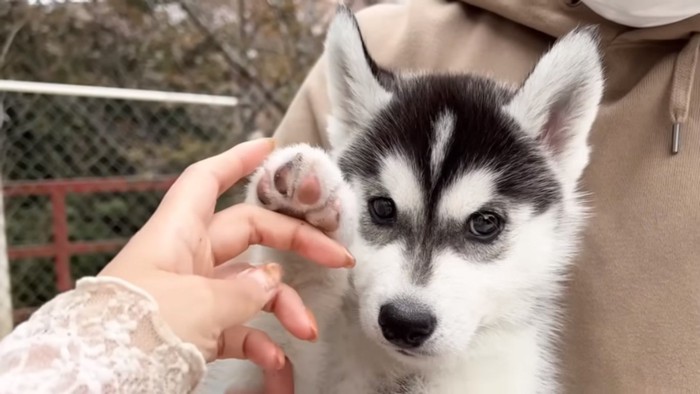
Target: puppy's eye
x,y
485,225
382,210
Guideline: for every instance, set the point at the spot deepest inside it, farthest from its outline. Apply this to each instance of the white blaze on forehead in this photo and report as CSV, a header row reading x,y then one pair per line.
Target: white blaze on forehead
x,y
467,194
400,180
443,129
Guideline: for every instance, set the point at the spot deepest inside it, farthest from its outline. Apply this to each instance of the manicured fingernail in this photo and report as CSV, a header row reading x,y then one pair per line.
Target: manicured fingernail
x,y
313,325
268,276
274,270
349,260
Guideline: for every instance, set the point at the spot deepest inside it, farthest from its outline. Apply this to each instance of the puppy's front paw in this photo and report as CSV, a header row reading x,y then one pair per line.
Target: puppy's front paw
x,y
302,182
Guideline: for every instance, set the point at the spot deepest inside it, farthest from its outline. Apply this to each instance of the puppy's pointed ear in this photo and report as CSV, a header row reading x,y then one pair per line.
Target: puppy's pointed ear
x,y
559,101
358,88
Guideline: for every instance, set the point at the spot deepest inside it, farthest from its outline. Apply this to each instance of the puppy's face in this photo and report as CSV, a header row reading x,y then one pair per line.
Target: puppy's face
x,y
466,190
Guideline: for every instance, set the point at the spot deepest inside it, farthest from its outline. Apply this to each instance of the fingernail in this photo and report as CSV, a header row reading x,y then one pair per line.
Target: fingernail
x,y
268,276
313,325
272,142
280,360
349,259
274,270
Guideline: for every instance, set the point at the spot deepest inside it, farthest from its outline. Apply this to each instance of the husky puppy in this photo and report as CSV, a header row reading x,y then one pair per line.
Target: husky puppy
x,y
458,196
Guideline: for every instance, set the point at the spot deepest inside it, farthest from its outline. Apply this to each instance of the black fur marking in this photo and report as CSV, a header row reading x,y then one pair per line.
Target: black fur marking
x,y
484,137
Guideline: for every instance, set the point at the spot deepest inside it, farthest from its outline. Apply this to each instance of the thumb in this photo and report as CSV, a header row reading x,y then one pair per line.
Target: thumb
x,y
240,298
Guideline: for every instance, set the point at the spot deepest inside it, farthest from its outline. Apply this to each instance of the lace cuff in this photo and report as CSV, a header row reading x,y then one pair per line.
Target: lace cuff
x,y
104,336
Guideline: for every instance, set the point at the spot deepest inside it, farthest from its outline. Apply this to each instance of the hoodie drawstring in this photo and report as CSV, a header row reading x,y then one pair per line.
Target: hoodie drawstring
x,y
682,87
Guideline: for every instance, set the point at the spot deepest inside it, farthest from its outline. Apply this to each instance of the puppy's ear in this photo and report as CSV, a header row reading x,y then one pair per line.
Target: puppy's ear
x,y
358,88
559,101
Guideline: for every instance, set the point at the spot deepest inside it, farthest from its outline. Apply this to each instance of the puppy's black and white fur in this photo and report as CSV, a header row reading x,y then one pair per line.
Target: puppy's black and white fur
x,y
458,196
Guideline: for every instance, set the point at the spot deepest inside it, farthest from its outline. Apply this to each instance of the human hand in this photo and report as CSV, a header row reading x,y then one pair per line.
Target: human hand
x,y
177,255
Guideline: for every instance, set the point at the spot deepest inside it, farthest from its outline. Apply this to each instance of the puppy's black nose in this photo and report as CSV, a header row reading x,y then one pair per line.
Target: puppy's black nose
x,y
406,324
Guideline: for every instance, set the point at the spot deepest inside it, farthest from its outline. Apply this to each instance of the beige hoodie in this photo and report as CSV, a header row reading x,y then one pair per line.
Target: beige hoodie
x,y
633,320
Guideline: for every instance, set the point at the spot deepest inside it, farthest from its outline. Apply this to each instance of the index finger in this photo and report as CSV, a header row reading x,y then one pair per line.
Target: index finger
x,y
199,186
234,229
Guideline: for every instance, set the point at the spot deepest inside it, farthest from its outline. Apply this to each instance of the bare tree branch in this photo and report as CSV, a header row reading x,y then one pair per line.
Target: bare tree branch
x,y
284,28
230,59
10,39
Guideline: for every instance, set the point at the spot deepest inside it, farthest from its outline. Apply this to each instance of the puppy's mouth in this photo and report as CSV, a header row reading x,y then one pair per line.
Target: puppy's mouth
x,y
407,353
412,353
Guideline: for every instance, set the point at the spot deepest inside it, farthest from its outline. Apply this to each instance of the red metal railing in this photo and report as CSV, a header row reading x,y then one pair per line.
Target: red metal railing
x,y
61,249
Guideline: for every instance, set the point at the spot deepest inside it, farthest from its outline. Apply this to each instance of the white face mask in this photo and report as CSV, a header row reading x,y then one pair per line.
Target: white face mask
x,y
644,13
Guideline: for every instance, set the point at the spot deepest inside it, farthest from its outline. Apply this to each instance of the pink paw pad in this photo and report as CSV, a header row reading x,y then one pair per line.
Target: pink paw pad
x,y
296,188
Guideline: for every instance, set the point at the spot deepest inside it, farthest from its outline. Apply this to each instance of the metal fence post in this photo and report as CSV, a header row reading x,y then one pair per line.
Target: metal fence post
x,y
60,240
6,319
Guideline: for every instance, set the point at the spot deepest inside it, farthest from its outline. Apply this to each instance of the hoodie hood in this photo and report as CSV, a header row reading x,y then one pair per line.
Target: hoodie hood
x,y
644,13
557,17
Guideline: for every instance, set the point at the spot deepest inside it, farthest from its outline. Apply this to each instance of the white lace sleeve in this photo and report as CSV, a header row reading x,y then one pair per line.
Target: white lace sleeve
x,y
103,337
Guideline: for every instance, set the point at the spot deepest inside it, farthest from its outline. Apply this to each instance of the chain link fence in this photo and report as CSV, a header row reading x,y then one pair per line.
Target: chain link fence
x,y
106,163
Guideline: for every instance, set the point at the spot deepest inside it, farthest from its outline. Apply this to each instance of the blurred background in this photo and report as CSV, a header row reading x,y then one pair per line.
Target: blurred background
x,y
104,102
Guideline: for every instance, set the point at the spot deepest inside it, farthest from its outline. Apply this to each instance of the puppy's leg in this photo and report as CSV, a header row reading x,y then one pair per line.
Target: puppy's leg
x,y
305,183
